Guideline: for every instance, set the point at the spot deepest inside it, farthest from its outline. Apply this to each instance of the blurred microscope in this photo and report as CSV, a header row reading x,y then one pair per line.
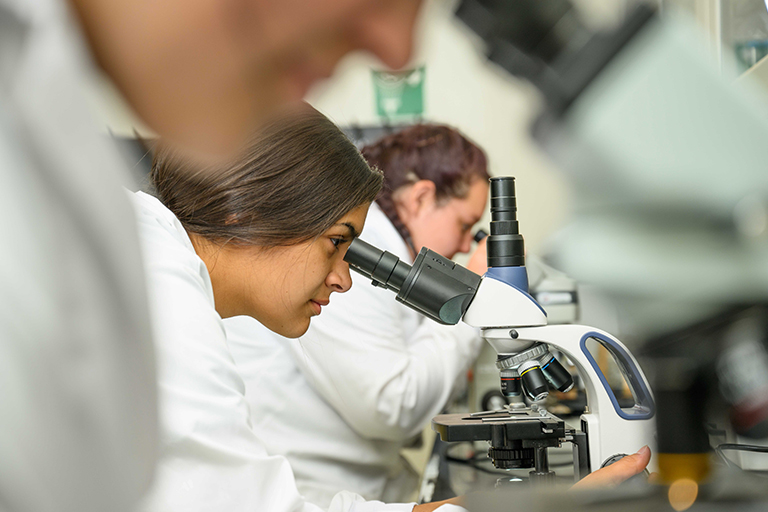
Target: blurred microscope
x,y
667,159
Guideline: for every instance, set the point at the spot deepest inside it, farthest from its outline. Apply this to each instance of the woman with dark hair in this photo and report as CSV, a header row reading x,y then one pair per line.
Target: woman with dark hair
x,y
370,372
264,237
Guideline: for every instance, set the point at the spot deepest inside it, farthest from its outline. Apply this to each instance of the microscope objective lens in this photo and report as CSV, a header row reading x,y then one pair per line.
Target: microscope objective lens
x,y
533,380
556,374
510,383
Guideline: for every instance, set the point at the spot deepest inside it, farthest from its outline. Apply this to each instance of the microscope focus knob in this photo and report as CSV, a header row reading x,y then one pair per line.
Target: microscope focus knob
x,y
534,382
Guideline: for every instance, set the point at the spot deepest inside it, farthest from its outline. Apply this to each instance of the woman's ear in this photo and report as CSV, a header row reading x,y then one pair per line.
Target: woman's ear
x,y
414,199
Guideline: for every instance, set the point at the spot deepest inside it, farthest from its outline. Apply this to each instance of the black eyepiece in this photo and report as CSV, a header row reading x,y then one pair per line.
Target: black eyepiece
x,y
382,267
506,247
434,286
539,29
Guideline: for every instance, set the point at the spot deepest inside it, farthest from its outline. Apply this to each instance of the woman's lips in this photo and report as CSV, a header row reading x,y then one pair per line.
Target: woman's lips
x,y
318,304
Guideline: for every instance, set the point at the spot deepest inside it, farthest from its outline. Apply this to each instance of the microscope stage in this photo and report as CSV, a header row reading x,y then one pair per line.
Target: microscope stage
x,y
521,424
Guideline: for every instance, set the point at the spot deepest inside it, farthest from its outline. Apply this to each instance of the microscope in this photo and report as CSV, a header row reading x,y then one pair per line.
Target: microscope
x,y
666,155
515,325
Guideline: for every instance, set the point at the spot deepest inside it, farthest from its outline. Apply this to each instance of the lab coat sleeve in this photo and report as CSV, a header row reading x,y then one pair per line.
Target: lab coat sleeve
x,y
354,503
384,379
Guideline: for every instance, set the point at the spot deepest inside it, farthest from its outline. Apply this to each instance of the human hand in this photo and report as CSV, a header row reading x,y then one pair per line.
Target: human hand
x,y
616,473
429,507
478,262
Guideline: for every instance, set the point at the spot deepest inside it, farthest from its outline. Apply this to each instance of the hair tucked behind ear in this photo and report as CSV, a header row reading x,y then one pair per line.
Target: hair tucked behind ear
x,y
437,153
297,177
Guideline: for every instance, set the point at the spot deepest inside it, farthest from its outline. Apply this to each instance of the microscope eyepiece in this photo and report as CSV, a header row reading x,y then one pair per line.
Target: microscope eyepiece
x,y
506,247
382,267
434,286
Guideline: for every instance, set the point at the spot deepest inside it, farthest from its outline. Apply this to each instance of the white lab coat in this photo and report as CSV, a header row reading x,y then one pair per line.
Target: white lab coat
x,y
78,417
341,401
211,459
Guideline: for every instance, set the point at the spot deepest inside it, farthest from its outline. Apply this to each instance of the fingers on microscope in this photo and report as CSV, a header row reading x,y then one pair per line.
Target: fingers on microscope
x,y
617,472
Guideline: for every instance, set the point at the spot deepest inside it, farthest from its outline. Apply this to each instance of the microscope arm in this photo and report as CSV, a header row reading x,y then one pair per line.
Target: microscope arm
x,y
516,326
611,429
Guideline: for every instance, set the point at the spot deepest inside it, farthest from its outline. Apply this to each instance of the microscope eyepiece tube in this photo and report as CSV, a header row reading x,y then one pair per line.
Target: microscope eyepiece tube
x,y
534,382
555,373
505,243
382,267
434,286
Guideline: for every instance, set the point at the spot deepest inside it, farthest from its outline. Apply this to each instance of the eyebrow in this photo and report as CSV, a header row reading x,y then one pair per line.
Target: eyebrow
x,y
352,231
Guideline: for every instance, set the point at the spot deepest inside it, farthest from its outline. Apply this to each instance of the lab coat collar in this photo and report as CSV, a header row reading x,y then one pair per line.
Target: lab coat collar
x,y
385,229
150,205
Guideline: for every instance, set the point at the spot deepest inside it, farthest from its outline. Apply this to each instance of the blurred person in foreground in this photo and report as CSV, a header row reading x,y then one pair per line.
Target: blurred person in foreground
x,y
78,427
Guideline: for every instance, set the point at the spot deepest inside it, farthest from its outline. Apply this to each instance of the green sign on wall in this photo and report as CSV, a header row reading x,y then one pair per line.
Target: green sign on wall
x,y
399,94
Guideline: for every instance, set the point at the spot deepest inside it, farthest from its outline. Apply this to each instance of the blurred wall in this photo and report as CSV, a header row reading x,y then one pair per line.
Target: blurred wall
x,y
460,89
463,90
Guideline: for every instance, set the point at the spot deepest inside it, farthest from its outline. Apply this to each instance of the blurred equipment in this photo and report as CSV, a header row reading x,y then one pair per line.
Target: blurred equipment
x,y
667,159
516,327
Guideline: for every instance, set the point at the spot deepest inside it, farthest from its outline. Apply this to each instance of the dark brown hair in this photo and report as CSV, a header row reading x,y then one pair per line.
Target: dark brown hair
x,y
437,153
298,175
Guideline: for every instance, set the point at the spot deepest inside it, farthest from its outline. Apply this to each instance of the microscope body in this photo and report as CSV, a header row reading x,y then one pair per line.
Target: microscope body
x,y
666,156
512,323
515,325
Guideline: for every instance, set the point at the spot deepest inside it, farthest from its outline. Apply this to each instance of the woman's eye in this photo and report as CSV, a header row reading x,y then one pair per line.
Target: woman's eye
x,y
337,241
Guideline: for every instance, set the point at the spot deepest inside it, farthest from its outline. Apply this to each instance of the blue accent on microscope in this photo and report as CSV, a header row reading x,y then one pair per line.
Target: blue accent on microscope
x,y
516,277
644,408
513,276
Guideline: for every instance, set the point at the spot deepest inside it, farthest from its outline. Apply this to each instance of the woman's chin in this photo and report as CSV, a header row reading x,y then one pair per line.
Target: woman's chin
x,y
295,330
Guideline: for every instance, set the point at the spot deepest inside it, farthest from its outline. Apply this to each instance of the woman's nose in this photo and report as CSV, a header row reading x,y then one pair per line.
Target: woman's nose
x,y
389,35
466,242
339,280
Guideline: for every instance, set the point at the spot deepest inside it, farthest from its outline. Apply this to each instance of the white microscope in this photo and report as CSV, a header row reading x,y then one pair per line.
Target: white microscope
x,y
516,327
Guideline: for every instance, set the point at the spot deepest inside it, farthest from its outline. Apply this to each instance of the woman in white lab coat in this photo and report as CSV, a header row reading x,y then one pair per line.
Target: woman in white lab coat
x,y
370,373
264,237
